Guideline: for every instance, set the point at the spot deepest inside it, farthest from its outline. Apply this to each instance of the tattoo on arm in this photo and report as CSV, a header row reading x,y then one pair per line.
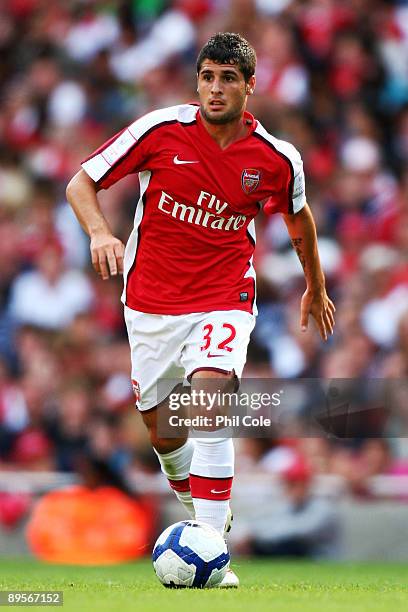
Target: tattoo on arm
x,y
297,245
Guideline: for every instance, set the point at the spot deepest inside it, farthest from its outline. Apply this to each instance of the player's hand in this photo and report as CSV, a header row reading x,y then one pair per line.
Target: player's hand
x,y
319,305
107,255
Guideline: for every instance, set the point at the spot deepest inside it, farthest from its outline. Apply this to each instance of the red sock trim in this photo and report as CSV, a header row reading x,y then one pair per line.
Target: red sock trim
x,y
181,486
210,488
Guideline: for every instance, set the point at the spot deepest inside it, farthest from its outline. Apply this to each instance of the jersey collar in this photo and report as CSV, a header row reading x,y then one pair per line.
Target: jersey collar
x,y
248,119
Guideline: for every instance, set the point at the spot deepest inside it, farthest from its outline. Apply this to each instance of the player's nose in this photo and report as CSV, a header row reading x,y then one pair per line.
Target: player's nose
x,y
216,86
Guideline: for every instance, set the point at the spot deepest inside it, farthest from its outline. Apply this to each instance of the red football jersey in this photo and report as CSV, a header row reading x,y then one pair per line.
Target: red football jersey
x,y
193,239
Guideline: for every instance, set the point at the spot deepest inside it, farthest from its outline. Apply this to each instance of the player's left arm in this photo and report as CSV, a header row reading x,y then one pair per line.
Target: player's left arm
x,y
315,301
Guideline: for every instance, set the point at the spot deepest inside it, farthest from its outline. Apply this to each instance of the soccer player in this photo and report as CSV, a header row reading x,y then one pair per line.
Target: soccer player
x,y
189,284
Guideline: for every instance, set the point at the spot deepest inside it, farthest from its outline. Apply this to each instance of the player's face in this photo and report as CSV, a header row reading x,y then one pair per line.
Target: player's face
x,y
223,92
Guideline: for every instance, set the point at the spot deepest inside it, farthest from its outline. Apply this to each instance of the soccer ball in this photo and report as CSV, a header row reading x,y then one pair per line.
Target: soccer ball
x,y
190,554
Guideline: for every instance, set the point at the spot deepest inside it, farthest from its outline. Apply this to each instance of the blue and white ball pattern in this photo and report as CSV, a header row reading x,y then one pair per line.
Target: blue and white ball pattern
x,y
190,554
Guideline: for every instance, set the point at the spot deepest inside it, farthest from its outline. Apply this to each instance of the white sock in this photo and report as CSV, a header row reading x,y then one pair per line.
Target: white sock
x,y
176,466
211,474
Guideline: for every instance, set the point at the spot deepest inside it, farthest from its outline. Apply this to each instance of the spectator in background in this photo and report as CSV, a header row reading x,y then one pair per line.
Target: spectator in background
x,y
68,425
49,296
280,75
303,525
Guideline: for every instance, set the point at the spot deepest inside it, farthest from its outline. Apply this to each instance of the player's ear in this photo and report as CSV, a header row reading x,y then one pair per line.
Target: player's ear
x,y
250,86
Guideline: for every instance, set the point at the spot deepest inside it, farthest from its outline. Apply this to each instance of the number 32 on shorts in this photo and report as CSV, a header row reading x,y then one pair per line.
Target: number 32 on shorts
x,y
230,333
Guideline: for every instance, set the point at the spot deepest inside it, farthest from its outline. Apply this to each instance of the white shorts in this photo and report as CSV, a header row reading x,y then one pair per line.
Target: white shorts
x,y
172,347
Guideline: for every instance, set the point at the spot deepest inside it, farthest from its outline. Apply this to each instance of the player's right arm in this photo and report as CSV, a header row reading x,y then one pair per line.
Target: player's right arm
x,y
129,151
106,251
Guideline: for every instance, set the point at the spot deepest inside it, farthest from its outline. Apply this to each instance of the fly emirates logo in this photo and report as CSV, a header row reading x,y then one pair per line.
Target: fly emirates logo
x,y
197,215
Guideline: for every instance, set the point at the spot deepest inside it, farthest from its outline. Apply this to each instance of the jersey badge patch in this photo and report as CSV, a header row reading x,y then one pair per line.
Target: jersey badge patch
x,y
250,178
136,390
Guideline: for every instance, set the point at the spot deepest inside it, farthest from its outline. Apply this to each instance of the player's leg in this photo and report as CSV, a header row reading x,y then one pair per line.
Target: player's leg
x,y
155,346
174,455
212,465
214,357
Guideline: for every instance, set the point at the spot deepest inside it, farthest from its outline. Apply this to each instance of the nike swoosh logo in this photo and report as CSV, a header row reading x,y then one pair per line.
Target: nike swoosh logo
x,y
216,355
183,161
224,491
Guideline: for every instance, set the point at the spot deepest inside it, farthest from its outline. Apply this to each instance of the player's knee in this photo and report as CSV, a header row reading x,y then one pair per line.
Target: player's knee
x,y
211,397
215,378
210,386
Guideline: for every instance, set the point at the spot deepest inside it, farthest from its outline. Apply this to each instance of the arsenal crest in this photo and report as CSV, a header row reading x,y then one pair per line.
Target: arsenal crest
x,y
250,180
136,390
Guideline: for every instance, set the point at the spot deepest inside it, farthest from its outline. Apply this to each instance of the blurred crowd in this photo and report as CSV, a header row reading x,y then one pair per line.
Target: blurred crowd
x,y
332,78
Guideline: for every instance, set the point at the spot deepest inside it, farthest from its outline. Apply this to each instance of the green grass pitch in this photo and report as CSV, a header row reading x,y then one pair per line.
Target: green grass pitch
x,y
266,585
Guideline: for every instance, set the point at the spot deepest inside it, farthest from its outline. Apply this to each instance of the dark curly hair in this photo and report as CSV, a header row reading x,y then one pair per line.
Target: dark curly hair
x,y
229,48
